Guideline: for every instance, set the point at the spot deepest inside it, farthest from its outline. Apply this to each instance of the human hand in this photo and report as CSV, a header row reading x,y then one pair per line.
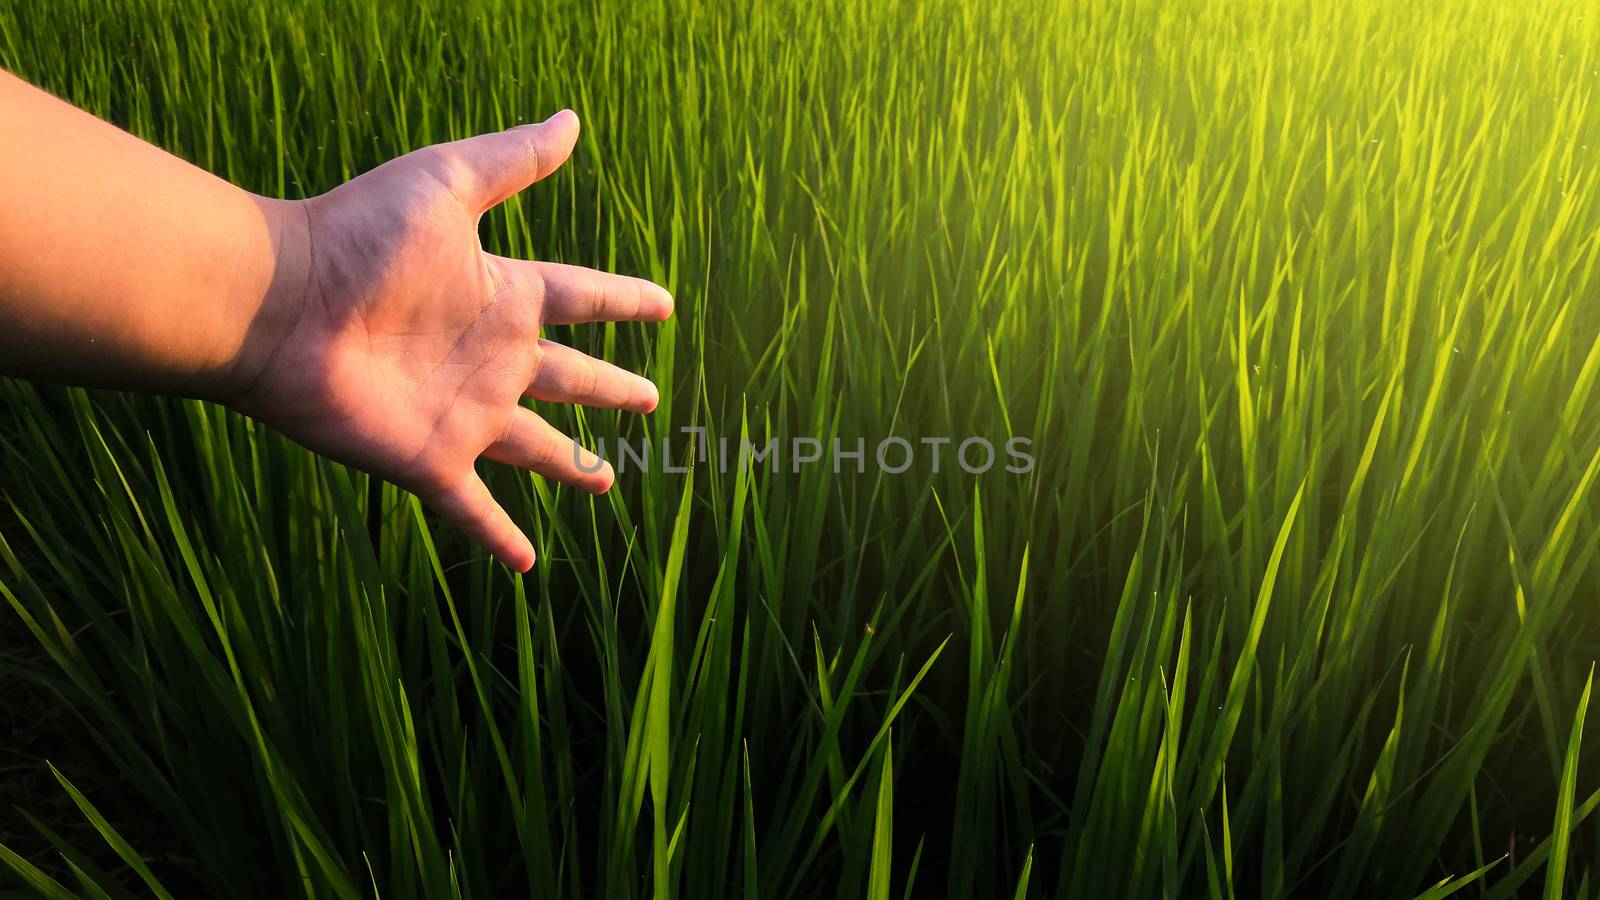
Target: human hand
x,y
397,345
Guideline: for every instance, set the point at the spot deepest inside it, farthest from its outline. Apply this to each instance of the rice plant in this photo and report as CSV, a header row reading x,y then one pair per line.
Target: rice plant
x,y
1296,302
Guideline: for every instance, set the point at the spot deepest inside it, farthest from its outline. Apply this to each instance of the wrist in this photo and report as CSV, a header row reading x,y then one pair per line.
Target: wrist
x,y
268,316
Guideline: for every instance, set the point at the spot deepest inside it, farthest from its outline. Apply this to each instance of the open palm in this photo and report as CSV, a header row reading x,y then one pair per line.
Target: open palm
x,y
410,348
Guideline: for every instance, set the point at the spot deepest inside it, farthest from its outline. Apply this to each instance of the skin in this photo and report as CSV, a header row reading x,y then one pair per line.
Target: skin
x,y
366,323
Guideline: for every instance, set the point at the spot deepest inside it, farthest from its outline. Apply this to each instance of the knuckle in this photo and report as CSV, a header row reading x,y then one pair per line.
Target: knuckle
x,y
589,379
528,150
543,454
537,288
451,168
534,153
594,296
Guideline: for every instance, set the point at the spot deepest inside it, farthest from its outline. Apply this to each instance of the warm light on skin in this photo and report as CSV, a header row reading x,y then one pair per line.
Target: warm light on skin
x,y
366,323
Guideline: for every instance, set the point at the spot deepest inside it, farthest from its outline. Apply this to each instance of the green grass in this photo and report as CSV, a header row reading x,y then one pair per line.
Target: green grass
x,y
1297,300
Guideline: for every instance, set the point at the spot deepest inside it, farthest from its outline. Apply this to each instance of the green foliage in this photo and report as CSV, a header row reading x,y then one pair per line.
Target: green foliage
x,y
1296,301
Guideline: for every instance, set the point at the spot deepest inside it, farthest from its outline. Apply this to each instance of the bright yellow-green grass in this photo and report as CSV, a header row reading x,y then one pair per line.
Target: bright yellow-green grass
x,y
1297,302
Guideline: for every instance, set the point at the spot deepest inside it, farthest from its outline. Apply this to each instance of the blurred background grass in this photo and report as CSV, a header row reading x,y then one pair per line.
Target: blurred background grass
x,y
1296,301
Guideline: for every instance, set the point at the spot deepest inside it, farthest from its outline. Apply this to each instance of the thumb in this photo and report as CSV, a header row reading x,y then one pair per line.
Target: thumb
x,y
502,163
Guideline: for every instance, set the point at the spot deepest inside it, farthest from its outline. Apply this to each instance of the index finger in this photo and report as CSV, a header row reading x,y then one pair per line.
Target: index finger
x,y
574,295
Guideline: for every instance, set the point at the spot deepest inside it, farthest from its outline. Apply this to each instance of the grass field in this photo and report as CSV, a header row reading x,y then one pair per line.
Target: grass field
x,y
1297,301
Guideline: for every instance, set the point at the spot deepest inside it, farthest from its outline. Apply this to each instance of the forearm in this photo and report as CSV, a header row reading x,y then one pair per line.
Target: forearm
x,y
124,266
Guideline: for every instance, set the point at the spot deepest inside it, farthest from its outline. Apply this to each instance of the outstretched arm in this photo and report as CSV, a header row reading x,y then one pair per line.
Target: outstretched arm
x,y
122,265
366,323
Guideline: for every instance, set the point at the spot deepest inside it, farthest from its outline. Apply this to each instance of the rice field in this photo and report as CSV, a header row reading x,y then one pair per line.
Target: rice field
x,y
1295,305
